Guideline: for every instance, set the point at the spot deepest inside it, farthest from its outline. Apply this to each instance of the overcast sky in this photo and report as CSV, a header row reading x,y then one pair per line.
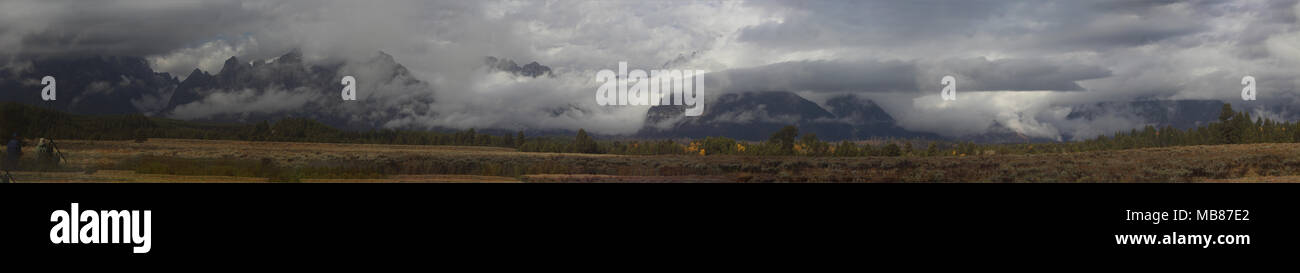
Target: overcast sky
x,y
1018,63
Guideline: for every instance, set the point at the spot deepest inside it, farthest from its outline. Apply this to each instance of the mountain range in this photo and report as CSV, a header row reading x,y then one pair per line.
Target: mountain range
x,y
241,89
90,85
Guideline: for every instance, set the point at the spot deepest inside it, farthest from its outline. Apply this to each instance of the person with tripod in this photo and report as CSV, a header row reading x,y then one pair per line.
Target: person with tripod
x,y
48,155
13,152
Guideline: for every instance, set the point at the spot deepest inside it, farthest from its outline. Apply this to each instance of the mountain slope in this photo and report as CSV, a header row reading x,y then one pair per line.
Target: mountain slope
x,y
756,115
90,85
289,87
1181,114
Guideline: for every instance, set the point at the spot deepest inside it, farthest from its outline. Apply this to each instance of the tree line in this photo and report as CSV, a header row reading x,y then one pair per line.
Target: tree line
x,y
1232,127
35,122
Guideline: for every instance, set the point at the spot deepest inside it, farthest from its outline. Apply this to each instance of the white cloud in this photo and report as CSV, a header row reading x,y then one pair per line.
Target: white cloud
x,y
207,57
245,102
1111,50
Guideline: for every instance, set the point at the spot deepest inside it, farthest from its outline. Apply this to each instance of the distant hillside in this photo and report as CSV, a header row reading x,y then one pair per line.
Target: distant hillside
x,y
90,85
755,115
1181,114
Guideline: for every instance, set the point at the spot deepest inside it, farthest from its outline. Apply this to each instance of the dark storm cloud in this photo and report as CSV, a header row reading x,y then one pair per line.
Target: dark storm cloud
x,y
1041,25
980,74
827,76
1127,5
819,23
1115,25
132,28
973,74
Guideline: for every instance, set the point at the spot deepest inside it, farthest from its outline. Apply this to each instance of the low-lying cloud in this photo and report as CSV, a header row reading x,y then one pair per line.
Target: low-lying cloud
x,y
1019,64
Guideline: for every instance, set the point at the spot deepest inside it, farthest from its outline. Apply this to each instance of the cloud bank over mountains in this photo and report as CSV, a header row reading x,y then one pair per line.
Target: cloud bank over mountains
x,y
1022,65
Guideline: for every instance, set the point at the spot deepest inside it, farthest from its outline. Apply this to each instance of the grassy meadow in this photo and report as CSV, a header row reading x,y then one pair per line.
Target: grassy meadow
x,y
185,160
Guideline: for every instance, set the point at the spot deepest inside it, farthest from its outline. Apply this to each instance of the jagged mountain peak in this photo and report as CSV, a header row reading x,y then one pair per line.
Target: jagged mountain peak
x,y
287,86
532,69
232,61
231,65
197,73
294,56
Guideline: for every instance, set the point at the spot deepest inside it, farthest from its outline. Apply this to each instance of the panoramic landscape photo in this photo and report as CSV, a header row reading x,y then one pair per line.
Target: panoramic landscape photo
x,y
650,91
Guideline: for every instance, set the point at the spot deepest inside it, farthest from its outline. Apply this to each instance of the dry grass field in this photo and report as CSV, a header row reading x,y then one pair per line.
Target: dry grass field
x,y
183,160
103,156
122,176
99,153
